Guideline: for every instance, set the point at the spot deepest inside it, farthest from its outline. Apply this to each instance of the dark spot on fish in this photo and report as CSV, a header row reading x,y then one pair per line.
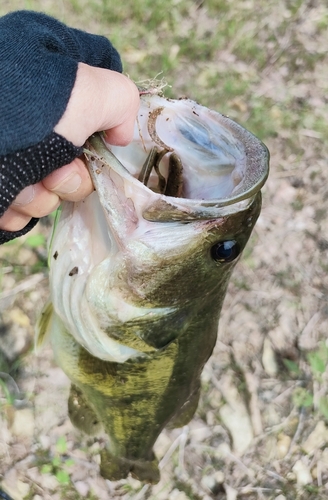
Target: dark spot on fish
x,y
55,255
95,422
92,158
195,113
75,270
225,251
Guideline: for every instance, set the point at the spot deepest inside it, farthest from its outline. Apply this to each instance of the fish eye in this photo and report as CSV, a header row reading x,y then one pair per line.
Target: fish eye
x,y
225,251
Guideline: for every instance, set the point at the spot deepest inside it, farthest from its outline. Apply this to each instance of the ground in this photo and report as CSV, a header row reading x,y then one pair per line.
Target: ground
x,y
261,429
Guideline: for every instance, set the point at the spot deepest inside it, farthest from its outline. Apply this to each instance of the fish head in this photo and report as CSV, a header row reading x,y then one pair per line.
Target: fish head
x,y
168,244
134,251
174,263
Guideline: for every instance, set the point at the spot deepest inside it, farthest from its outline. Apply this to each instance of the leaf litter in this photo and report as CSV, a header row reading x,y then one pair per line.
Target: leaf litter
x,y
261,429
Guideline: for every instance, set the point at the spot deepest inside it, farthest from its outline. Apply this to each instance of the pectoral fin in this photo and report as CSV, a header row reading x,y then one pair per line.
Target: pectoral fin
x,y
42,329
81,414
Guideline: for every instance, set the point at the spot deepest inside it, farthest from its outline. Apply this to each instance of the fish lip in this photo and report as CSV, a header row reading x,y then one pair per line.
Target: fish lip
x,y
256,174
257,162
256,171
156,207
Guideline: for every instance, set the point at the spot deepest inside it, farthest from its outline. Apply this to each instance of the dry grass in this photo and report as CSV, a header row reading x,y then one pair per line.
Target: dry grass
x,y
265,64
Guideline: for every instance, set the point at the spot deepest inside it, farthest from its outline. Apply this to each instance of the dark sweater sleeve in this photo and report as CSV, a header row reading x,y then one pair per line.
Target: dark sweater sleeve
x,y
38,64
39,57
29,166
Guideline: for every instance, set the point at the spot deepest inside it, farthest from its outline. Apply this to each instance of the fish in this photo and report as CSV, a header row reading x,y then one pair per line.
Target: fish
x,y
139,271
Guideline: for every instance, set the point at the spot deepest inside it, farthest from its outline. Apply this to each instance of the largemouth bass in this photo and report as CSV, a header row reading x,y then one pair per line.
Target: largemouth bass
x,y
139,271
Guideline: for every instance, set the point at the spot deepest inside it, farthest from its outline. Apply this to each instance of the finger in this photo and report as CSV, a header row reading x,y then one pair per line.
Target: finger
x,y
120,130
35,201
120,135
13,221
121,101
101,100
71,182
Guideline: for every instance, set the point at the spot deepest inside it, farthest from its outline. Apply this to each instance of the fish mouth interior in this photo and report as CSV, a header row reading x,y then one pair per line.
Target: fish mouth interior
x,y
215,153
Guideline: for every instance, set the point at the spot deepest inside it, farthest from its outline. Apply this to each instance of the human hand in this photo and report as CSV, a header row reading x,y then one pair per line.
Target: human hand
x,y
101,100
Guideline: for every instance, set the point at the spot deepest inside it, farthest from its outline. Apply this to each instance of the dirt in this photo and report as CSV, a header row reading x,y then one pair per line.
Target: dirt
x,y
261,429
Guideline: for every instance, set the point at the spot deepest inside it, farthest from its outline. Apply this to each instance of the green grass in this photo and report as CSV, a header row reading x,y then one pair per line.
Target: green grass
x,y
253,61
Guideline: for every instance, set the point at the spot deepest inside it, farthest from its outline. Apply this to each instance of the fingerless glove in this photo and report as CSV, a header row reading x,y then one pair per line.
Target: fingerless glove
x,y
39,58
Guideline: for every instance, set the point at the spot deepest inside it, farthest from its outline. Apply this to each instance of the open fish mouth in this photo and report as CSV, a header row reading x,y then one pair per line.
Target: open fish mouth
x,y
159,202
185,151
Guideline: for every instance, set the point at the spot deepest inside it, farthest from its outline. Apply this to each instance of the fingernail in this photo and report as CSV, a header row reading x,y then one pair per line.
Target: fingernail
x,y
69,185
25,196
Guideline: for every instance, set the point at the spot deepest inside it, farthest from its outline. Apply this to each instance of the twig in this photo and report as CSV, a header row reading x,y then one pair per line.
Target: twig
x,y
311,324
183,441
243,466
274,475
45,495
170,452
286,173
142,492
254,407
23,286
216,383
284,393
297,433
319,473
250,489
84,463
316,394
152,86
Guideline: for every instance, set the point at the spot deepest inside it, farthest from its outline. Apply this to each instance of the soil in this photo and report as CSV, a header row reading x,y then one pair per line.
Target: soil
x,y
261,429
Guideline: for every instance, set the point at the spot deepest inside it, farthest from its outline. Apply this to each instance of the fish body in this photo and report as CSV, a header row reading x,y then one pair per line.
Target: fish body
x,y
139,271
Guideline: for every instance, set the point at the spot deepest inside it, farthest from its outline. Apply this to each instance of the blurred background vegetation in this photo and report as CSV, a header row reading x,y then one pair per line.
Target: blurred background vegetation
x,y
213,51
264,63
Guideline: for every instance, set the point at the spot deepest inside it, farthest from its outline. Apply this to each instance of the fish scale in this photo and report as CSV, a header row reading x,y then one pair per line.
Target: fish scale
x,y
135,323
